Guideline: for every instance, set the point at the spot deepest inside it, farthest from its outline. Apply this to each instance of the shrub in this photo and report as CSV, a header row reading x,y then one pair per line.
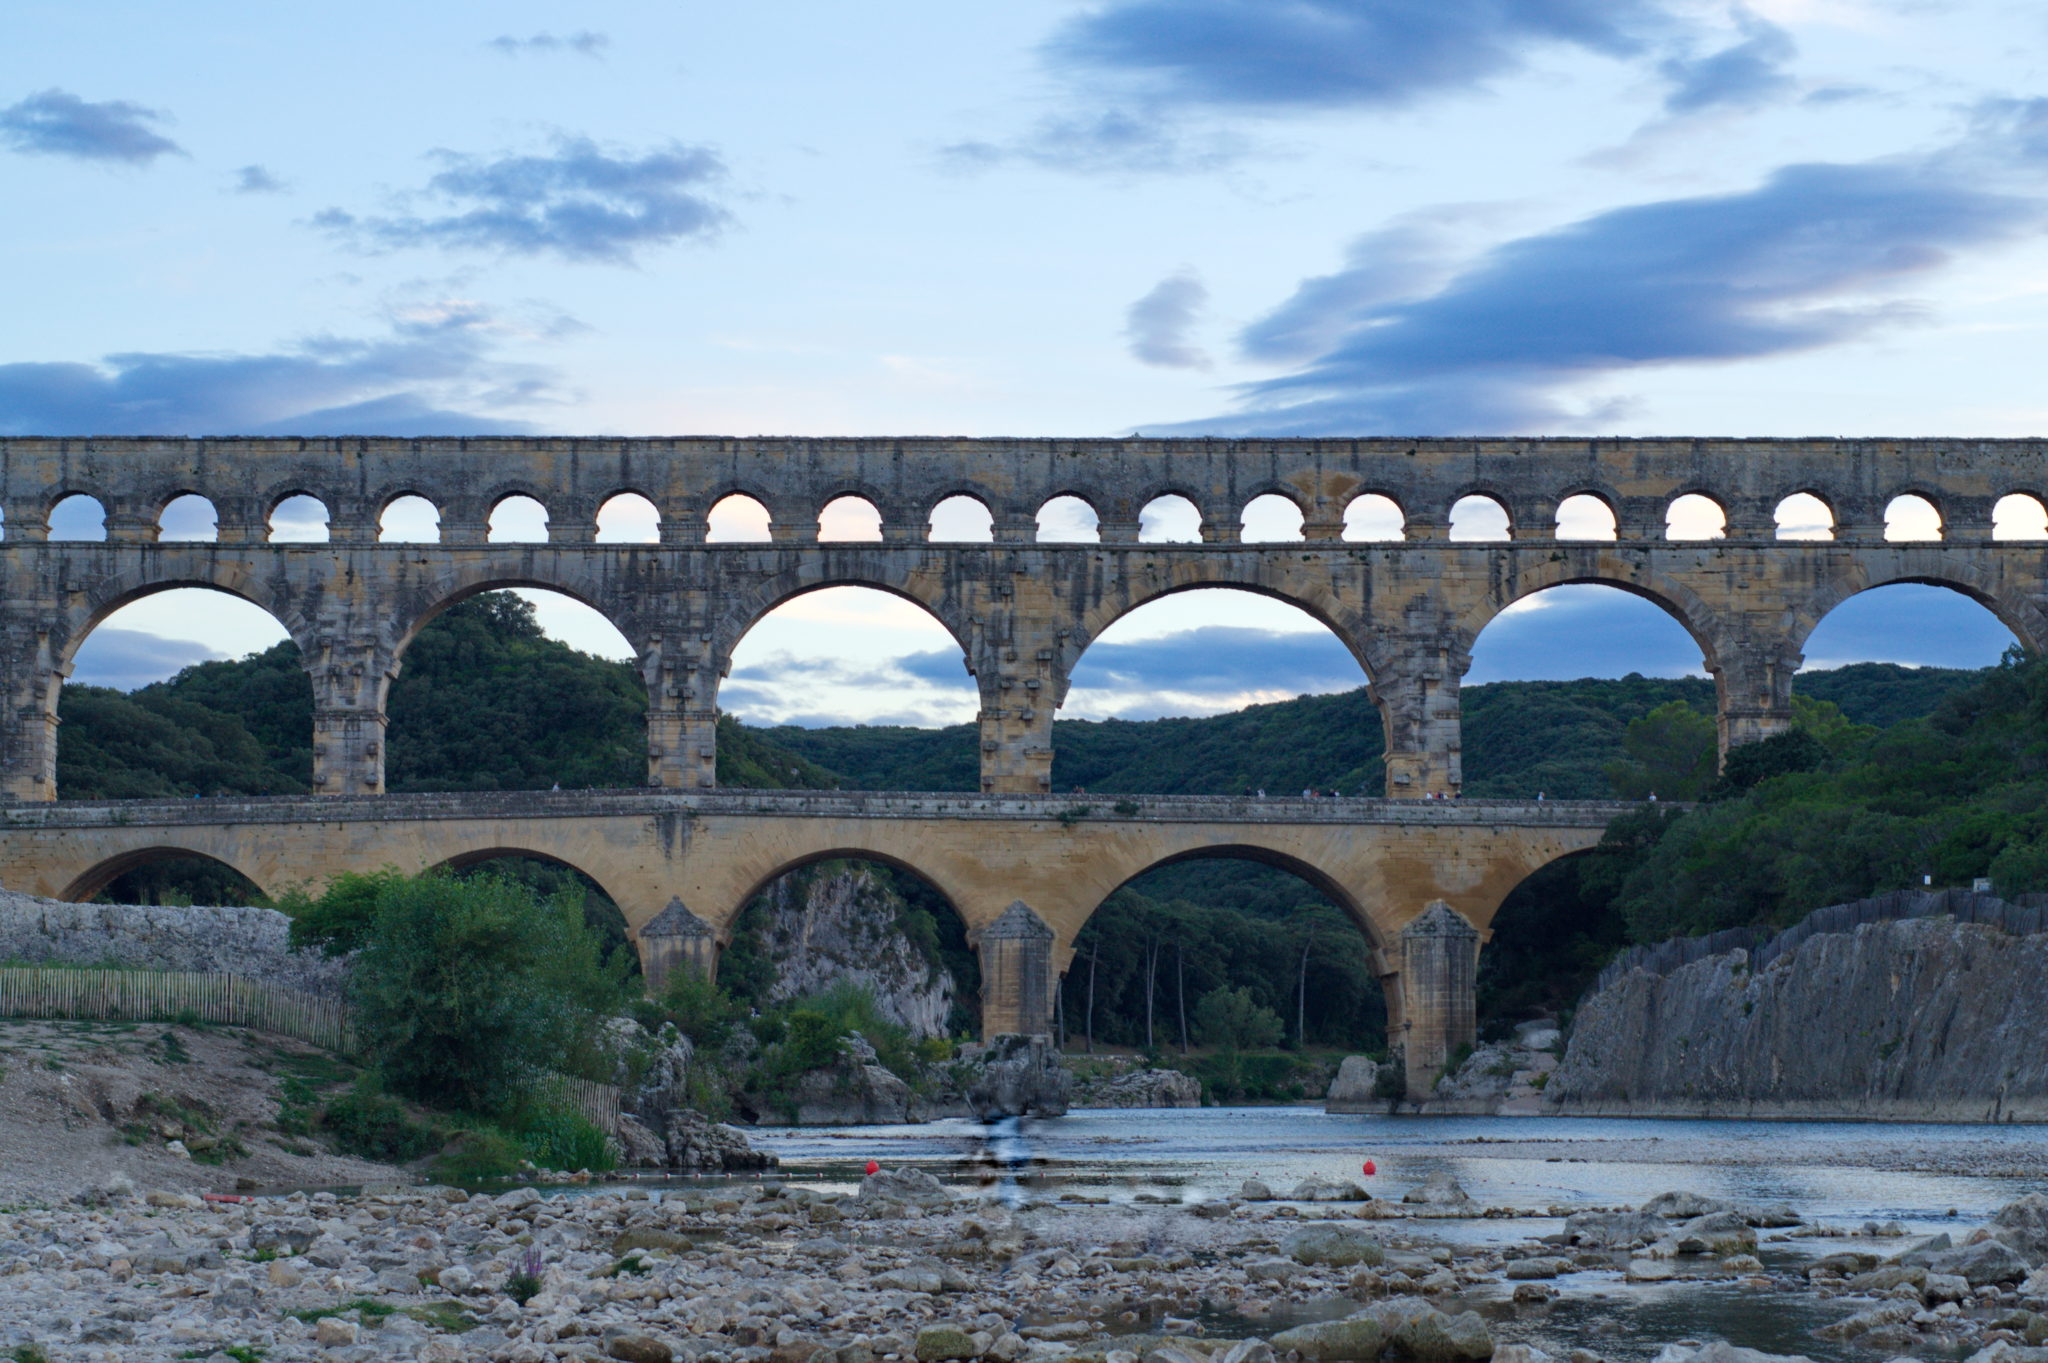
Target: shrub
x,y
700,1009
373,1125
469,991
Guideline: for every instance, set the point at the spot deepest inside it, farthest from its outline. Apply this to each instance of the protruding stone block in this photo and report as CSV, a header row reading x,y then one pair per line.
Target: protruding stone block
x,y
676,939
1439,965
1016,974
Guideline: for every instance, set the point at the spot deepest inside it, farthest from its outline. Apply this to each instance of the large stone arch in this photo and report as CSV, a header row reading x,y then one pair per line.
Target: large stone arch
x,y
1266,576
740,612
1593,564
416,606
90,881
2018,609
171,571
1329,885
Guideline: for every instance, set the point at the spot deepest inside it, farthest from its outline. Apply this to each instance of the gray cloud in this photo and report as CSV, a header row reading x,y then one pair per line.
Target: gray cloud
x,y
1280,54
434,374
1749,73
580,203
59,123
583,42
127,658
1156,327
1785,267
257,180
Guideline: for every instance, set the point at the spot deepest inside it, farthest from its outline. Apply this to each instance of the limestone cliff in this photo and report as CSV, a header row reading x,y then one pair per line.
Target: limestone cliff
x,y
1917,1018
841,921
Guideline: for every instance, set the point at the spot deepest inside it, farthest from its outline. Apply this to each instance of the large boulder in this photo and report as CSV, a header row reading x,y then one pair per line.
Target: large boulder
x,y
1684,1206
2024,1226
1021,1076
1143,1088
1422,1332
697,1143
1438,1190
1613,1230
1333,1246
913,1186
1354,1337
1356,1087
1717,1233
1981,1264
1720,1351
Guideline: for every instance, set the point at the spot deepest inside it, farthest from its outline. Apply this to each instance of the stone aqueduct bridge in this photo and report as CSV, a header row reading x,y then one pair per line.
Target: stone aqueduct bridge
x,y
1022,612
1024,871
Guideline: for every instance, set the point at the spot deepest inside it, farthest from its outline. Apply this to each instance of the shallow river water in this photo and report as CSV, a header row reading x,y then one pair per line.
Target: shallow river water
x,y
1837,1174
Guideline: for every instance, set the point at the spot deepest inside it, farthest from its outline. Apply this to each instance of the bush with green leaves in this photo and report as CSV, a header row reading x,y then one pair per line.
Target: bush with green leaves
x,y
468,993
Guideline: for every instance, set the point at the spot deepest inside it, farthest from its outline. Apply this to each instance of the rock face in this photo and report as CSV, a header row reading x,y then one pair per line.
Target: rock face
x,y
1502,1076
1021,1076
1922,1018
240,941
1357,1086
1126,1087
841,922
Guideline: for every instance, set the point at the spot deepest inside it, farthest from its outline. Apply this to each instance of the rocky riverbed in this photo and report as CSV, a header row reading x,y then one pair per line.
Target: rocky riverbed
x,y
907,1270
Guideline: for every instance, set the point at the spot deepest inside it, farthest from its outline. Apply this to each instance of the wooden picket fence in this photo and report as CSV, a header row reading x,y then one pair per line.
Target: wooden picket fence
x,y
167,995
228,1000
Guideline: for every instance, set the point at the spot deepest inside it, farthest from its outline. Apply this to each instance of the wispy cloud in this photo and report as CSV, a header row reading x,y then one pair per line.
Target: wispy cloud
x,y
1110,141
59,123
1292,54
436,372
580,202
1805,260
583,42
1157,326
257,180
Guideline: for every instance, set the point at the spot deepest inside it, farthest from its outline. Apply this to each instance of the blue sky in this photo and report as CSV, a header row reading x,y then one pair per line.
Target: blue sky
x,y
1261,216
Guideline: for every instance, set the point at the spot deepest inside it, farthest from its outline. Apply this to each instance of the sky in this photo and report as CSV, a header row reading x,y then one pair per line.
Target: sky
x,y
1051,217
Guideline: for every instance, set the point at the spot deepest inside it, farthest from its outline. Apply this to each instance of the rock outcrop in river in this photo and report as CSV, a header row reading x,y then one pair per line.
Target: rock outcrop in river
x,y
1917,1018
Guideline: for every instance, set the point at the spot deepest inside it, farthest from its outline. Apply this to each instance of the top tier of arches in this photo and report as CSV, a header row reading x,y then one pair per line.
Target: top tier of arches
x,y
1018,491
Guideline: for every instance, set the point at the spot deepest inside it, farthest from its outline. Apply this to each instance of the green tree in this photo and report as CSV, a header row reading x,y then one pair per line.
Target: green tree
x,y
468,993
1232,1020
1671,754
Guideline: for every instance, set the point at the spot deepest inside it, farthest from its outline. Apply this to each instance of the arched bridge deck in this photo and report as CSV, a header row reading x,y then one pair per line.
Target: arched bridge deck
x,y
1024,871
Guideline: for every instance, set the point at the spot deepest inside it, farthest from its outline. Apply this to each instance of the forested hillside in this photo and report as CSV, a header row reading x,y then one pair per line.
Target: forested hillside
x,y
1892,773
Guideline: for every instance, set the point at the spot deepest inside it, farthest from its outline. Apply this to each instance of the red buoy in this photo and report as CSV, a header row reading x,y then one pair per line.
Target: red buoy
x,y
874,1168
1371,1168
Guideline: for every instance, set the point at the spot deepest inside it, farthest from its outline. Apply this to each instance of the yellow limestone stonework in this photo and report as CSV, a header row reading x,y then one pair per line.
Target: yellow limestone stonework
x,y
1023,612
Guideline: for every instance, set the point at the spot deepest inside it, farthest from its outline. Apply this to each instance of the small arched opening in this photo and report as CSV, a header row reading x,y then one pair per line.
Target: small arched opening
x,y
1171,519
1695,516
188,517
961,519
1271,519
1231,956
409,519
628,518
518,519
2019,516
1067,519
1803,516
854,519
1375,518
78,517
1911,517
1480,518
299,519
738,519
1583,516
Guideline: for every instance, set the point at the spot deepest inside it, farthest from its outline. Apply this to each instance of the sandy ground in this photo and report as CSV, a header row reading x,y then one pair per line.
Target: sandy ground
x,y
81,1102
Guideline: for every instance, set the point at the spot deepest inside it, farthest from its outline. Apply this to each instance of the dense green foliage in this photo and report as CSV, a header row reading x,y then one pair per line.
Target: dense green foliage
x,y
470,994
